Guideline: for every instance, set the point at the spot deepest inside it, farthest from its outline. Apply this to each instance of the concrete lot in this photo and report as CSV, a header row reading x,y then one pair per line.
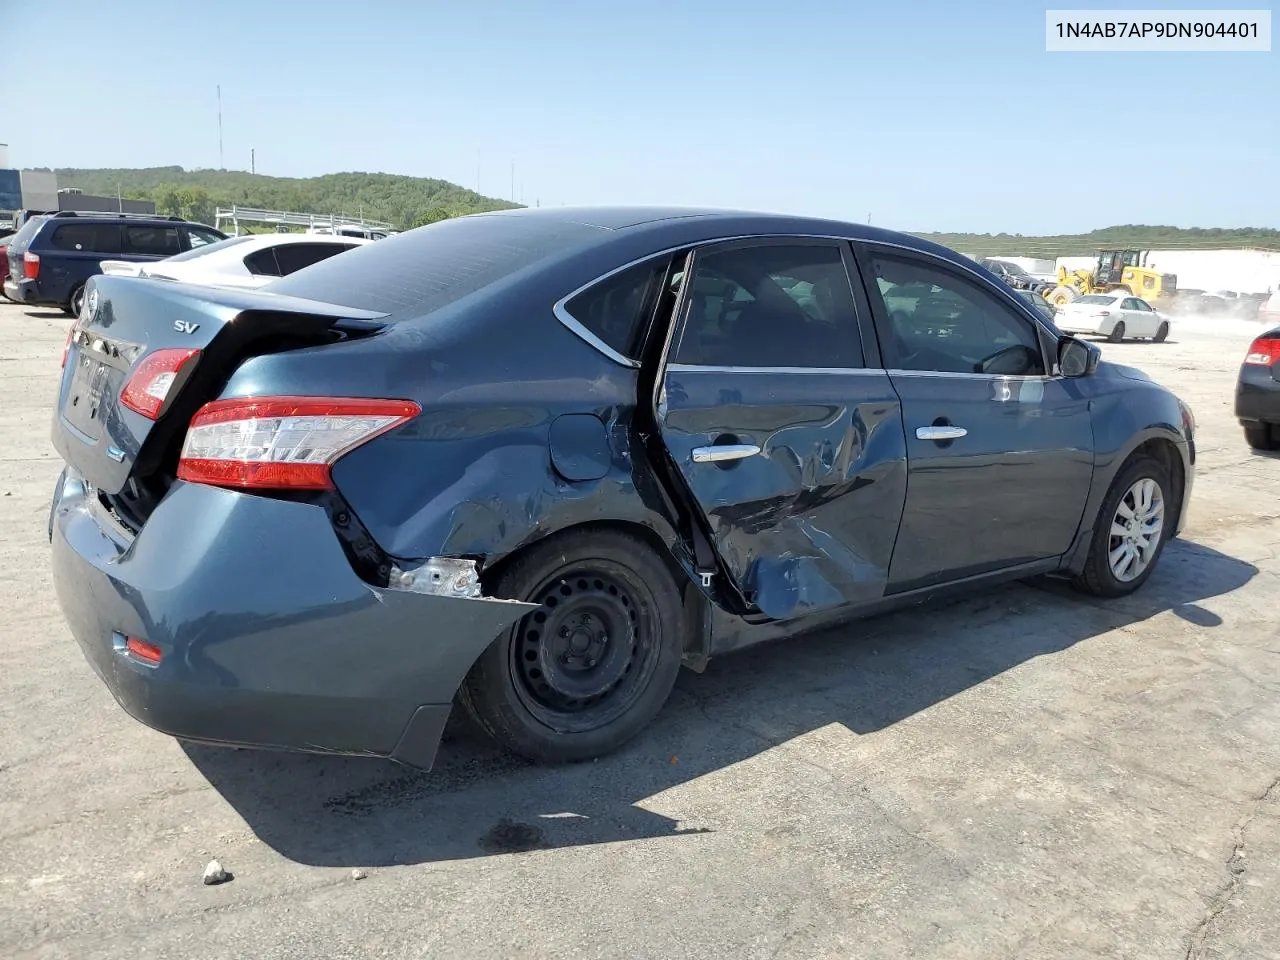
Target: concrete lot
x,y
1026,773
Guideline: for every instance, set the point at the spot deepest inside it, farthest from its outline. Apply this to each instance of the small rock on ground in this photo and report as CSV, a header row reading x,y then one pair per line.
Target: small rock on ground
x,y
214,873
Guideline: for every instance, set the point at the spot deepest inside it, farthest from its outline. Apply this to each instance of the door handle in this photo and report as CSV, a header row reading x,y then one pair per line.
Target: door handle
x,y
941,432
721,452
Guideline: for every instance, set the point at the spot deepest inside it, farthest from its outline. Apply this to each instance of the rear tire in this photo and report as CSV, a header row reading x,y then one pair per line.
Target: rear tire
x,y
1061,295
1105,574
1261,436
583,674
1163,333
1117,333
75,301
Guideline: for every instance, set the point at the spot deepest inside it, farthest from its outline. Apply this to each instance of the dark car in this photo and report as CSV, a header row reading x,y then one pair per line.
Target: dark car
x,y
1016,277
51,257
538,459
1258,392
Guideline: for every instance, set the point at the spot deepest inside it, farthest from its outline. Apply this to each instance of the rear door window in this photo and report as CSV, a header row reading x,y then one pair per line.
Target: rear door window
x,y
154,241
776,304
87,237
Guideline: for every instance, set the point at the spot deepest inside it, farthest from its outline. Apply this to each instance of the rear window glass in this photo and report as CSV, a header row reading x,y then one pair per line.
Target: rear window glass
x,y
611,310
428,268
26,232
87,237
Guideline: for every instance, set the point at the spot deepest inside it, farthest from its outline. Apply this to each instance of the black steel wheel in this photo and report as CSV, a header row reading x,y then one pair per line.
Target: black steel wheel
x,y
589,668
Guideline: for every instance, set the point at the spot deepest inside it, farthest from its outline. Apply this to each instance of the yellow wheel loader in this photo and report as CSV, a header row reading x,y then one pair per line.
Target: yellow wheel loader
x,y
1122,270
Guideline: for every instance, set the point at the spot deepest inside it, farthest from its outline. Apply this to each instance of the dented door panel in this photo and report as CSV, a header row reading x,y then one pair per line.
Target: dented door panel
x,y
808,522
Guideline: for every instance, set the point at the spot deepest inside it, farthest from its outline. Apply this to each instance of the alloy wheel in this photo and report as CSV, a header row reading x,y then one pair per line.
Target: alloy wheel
x,y
1136,529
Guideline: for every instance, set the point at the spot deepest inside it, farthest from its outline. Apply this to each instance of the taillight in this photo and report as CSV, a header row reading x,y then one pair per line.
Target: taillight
x,y
282,442
66,347
150,385
1263,352
30,265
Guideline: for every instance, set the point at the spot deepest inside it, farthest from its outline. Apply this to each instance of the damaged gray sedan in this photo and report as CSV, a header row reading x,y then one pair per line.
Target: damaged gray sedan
x,y
535,461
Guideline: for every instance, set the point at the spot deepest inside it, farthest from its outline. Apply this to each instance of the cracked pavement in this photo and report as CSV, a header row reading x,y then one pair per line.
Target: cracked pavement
x,y
1023,773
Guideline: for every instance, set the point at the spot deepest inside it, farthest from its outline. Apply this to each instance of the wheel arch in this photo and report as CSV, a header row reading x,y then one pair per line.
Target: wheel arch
x,y
1158,442
696,607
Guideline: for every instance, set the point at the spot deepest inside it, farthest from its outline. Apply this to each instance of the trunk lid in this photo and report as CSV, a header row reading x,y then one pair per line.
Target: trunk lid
x,y
126,320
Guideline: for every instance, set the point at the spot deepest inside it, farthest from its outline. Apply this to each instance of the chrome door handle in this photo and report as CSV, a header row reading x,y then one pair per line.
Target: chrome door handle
x,y
947,432
724,451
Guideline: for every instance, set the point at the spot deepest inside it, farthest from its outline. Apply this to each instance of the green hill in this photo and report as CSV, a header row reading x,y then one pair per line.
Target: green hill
x,y
1129,236
402,201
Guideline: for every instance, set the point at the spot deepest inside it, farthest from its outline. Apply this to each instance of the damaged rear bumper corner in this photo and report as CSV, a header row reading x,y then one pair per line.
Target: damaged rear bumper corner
x,y
268,637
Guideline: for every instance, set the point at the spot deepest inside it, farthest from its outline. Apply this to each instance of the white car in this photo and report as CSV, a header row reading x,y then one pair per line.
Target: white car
x,y
1116,316
250,261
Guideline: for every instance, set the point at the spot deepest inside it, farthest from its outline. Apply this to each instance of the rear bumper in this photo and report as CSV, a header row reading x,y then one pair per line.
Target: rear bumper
x,y
1079,326
1258,395
268,637
23,291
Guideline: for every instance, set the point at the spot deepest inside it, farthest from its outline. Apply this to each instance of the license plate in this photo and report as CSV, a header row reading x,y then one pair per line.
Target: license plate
x,y
84,400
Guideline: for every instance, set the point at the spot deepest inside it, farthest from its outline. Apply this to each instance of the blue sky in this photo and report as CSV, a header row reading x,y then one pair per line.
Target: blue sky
x,y
925,115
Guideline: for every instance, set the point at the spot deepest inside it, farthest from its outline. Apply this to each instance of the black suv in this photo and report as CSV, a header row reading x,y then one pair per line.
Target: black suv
x,y
51,257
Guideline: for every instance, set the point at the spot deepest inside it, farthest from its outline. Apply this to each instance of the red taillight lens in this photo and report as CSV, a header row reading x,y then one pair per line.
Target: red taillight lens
x,y
30,265
282,442
66,347
153,380
1263,352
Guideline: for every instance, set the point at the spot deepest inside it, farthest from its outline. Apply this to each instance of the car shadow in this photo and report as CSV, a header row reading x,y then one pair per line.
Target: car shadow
x,y
48,314
865,676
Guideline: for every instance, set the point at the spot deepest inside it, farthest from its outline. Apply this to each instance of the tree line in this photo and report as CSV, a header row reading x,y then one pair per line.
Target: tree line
x,y
404,202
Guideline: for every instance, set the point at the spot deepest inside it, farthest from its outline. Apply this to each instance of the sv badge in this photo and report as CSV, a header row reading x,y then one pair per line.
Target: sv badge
x,y
185,326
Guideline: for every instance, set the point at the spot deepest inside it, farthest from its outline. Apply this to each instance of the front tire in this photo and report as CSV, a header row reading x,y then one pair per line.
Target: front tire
x,y
1117,333
1163,333
583,674
1061,295
1130,531
1261,436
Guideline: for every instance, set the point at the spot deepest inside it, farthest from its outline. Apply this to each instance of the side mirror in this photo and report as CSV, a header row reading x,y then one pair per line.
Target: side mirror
x,y
1077,358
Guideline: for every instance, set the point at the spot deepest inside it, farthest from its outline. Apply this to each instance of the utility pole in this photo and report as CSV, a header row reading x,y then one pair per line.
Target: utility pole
x,y
477,169
253,166
119,198
221,165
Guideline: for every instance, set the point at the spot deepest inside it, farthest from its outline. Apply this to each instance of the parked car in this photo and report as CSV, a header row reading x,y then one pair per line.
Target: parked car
x,y
52,257
1258,392
538,459
1016,277
250,261
1116,316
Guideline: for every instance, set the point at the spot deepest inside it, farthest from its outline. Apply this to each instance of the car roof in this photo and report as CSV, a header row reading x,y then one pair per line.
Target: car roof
x,y
725,222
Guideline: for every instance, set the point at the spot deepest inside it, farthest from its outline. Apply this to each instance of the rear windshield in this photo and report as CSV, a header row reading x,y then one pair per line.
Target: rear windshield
x,y
1097,298
26,232
428,268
